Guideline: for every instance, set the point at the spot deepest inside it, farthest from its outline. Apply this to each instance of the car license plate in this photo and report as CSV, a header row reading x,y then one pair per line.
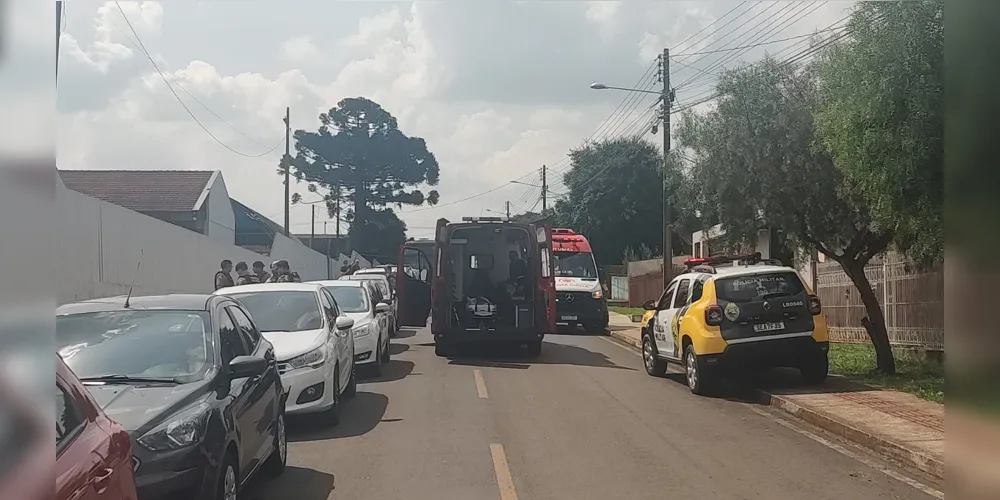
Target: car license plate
x,y
769,327
569,318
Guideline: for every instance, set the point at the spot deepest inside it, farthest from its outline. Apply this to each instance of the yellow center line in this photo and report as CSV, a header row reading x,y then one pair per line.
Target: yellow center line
x,y
504,480
480,384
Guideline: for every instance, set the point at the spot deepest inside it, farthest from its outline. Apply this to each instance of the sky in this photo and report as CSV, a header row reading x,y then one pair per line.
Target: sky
x,y
497,89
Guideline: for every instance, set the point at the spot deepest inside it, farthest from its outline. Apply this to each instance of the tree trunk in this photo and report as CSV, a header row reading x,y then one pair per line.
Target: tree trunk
x,y
875,324
360,217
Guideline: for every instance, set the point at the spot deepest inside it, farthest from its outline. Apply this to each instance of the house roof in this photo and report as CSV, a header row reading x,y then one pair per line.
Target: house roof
x,y
143,190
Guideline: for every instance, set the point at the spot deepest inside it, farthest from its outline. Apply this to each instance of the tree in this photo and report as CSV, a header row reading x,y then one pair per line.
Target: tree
x,y
363,160
614,196
880,114
381,235
757,164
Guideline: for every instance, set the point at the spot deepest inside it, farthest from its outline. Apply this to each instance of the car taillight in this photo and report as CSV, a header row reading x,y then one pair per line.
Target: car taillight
x,y
815,307
713,315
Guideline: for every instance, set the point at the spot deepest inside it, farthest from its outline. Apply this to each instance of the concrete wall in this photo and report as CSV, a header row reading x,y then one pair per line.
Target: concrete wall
x,y
100,243
221,224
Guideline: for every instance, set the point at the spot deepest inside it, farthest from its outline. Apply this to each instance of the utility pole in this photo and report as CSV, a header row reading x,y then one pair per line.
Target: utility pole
x,y
312,234
508,210
545,188
286,162
59,16
665,100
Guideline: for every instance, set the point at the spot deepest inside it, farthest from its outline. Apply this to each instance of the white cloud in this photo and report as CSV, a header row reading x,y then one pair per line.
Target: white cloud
x,y
113,38
300,49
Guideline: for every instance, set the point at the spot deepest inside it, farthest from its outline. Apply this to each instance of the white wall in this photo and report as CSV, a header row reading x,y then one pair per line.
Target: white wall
x,y
763,244
221,224
99,245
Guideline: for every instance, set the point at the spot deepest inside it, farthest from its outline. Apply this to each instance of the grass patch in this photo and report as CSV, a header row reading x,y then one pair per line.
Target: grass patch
x,y
920,377
628,311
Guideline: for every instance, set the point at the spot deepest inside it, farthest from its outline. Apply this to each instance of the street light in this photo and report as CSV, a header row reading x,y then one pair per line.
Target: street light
x,y
601,86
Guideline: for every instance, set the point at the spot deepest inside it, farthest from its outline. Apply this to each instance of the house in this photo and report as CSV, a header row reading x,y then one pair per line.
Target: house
x,y
702,242
196,200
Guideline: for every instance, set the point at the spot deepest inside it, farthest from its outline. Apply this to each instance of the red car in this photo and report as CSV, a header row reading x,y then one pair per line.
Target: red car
x,y
93,453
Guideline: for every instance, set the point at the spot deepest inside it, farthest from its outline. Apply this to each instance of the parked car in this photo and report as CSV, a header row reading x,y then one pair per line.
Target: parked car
x,y
735,314
191,379
93,453
380,280
371,326
312,341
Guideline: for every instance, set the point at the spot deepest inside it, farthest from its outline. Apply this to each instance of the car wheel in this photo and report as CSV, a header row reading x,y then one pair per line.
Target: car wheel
x,y
699,378
534,349
352,385
815,373
595,328
655,366
443,350
229,480
333,414
275,464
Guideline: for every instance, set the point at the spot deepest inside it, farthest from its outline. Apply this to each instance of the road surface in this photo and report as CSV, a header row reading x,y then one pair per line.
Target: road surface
x,y
583,421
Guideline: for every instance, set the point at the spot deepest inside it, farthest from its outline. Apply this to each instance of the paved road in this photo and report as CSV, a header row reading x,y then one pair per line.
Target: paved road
x,y
582,421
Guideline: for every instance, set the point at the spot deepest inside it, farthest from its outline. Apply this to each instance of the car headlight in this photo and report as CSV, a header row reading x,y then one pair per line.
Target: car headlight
x,y
361,331
184,429
597,295
311,359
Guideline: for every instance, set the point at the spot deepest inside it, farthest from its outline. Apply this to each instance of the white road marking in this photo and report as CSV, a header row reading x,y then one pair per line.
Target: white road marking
x,y
504,480
846,452
480,384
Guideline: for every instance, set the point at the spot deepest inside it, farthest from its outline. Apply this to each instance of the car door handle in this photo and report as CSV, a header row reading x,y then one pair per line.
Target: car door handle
x,y
100,481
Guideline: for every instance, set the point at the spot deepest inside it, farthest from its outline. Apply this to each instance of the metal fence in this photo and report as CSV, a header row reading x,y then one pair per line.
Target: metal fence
x,y
619,289
912,301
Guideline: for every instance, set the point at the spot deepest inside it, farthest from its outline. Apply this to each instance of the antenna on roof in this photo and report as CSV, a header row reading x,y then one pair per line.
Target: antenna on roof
x,y
137,264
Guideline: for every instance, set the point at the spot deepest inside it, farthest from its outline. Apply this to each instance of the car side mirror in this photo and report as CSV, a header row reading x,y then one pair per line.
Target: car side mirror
x,y
247,366
381,307
649,305
344,323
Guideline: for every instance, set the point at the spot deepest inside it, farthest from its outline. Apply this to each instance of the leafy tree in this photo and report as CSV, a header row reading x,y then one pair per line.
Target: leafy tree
x,y
381,235
881,115
757,164
614,196
361,158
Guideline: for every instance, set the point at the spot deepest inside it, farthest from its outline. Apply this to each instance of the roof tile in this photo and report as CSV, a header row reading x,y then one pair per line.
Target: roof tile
x,y
141,190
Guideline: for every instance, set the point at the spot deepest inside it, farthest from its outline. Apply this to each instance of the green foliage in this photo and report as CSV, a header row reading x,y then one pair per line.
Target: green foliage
x,y
360,155
880,115
380,236
614,196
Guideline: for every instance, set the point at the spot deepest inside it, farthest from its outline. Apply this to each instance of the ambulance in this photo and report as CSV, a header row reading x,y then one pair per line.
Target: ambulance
x,y
580,300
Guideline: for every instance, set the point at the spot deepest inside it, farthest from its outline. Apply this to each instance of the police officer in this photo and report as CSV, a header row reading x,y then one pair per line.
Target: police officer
x,y
280,272
258,269
243,275
223,277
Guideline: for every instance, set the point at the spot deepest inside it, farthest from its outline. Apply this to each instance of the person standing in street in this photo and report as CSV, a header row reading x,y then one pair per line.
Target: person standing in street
x,y
224,277
258,269
243,275
279,272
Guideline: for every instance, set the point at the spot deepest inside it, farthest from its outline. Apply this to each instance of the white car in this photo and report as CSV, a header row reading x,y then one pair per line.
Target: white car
x,y
380,280
371,322
312,343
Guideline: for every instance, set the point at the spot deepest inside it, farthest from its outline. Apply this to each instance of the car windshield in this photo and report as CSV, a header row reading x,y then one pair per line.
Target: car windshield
x,y
575,264
757,287
283,311
139,344
349,299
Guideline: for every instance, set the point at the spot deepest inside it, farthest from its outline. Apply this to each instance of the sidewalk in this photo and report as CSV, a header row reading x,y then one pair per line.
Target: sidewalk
x,y
895,424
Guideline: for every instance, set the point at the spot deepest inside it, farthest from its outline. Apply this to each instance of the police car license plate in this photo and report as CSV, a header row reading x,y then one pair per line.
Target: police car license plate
x,y
569,318
769,327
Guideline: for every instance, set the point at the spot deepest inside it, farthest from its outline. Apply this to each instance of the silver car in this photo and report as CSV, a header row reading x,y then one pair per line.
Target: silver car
x,y
382,282
371,322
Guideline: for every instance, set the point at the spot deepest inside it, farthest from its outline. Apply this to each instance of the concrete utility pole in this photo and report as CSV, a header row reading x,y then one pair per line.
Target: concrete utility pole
x,y
545,188
286,164
668,240
508,210
59,15
312,235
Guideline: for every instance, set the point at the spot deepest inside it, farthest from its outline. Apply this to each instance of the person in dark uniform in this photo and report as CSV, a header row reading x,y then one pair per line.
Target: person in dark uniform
x,y
224,277
295,277
258,269
243,275
280,272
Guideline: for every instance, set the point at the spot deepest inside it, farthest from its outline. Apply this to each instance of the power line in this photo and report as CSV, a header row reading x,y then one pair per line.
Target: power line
x,y
761,44
174,92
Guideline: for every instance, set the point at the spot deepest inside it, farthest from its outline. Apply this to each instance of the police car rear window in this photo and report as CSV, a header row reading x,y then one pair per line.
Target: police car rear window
x,y
755,287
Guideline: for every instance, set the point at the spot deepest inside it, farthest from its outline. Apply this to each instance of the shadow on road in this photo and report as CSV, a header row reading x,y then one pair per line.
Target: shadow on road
x,y
395,369
754,387
404,333
296,482
395,349
358,416
514,357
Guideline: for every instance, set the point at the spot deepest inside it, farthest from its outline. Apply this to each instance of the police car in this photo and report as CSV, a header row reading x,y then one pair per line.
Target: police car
x,y
735,313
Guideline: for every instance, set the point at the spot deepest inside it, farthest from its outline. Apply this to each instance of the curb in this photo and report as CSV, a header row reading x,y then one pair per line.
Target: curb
x,y
884,447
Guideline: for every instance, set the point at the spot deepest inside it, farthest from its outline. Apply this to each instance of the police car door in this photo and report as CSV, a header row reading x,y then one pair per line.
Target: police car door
x,y
662,319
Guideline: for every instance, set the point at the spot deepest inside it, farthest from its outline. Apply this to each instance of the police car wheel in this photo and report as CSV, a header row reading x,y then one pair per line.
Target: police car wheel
x,y
655,366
